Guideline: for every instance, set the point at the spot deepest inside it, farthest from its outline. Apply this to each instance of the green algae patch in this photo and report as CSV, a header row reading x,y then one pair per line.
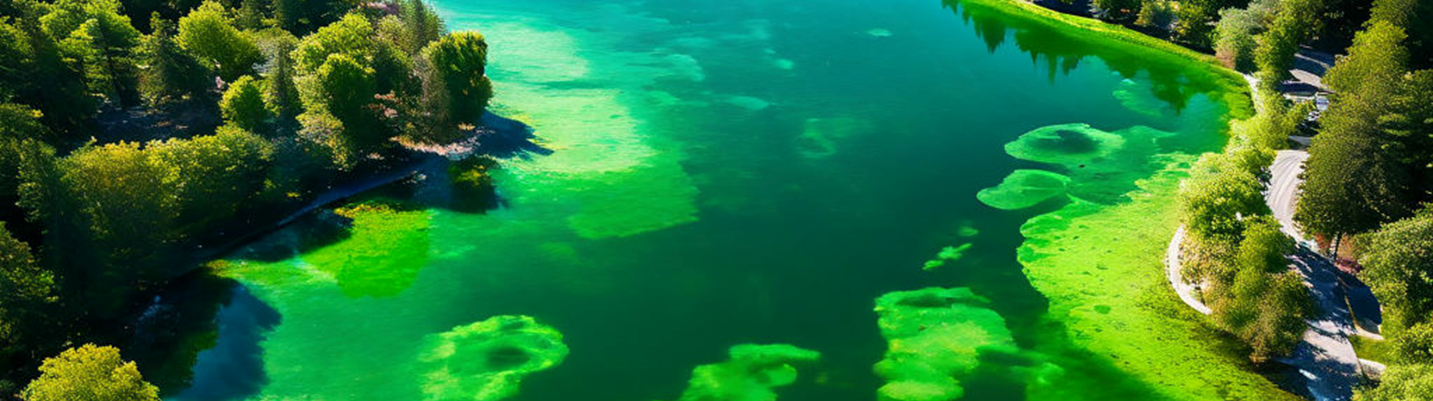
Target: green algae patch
x,y
821,137
1064,144
1101,269
751,374
1023,189
935,336
387,247
487,360
947,255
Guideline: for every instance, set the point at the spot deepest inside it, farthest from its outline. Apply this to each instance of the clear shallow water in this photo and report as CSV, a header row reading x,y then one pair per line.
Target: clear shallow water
x,y
748,172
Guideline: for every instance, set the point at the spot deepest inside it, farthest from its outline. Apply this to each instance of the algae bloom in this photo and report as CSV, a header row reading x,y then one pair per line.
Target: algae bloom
x,y
487,360
751,373
935,338
1023,189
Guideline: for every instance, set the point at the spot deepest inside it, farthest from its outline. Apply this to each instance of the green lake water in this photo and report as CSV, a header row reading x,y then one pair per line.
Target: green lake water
x,y
760,172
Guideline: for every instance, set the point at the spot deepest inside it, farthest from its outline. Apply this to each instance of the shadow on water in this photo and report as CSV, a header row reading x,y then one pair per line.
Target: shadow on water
x,y
234,368
196,318
1062,51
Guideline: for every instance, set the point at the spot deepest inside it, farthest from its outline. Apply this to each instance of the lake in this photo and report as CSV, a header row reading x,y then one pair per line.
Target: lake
x,y
760,172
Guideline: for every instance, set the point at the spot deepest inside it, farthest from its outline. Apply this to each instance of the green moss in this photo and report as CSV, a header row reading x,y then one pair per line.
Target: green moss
x,y
1023,189
487,360
751,374
935,337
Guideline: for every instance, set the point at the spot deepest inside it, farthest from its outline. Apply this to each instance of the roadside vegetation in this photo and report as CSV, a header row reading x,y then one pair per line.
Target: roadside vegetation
x,y
137,134
1369,175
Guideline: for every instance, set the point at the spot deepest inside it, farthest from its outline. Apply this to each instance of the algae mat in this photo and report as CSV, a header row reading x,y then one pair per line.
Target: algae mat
x,y
728,188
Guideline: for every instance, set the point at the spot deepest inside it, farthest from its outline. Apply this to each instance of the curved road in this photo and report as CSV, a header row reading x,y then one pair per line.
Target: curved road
x,y
1325,358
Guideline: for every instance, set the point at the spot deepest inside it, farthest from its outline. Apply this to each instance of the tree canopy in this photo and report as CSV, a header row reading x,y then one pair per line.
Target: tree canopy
x,y
89,373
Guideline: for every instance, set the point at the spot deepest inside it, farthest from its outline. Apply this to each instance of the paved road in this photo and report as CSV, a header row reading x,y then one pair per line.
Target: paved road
x,y
1284,189
1325,358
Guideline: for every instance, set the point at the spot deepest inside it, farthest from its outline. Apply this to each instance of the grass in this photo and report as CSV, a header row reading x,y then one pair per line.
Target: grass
x,y
1380,351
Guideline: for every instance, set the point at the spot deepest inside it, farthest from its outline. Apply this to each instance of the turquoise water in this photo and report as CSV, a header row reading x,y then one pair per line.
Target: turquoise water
x,y
726,173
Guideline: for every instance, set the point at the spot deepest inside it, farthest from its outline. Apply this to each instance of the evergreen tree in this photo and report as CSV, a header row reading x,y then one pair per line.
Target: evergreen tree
x,y
172,75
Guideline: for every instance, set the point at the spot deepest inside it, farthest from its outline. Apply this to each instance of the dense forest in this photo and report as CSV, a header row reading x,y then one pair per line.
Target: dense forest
x,y
136,135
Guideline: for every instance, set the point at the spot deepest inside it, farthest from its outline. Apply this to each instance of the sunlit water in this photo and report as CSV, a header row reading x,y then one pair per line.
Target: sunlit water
x,y
726,173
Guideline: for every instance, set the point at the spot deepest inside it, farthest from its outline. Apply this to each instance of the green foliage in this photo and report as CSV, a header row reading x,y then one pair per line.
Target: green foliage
x,y
1195,19
1236,34
1414,344
173,76
456,87
1403,382
1353,182
209,34
243,105
27,290
1159,14
345,90
54,82
1217,194
89,373
17,123
1398,263
214,176
1119,10
421,25
351,36
1264,310
281,95
1264,246
1291,27
1412,16
102,40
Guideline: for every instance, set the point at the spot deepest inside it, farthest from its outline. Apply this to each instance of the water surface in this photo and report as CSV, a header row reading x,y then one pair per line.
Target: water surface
x,y
738,172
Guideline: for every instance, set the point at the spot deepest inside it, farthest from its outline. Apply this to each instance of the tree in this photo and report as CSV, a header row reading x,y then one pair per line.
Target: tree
x,y
173,76
209,34
1236,34
456,87
89,373
214,176
281,95
1401,382
1412,16
243,105
351,36
1264,246
27,289
1119,10
1414,344
1398,263
1215,197
346,90
96,33
1264,310
1410,127
1194,23
55,83
1291,27
421,25
1353,181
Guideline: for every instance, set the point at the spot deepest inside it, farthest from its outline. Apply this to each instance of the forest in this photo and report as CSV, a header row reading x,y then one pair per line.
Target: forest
x,y
136,136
